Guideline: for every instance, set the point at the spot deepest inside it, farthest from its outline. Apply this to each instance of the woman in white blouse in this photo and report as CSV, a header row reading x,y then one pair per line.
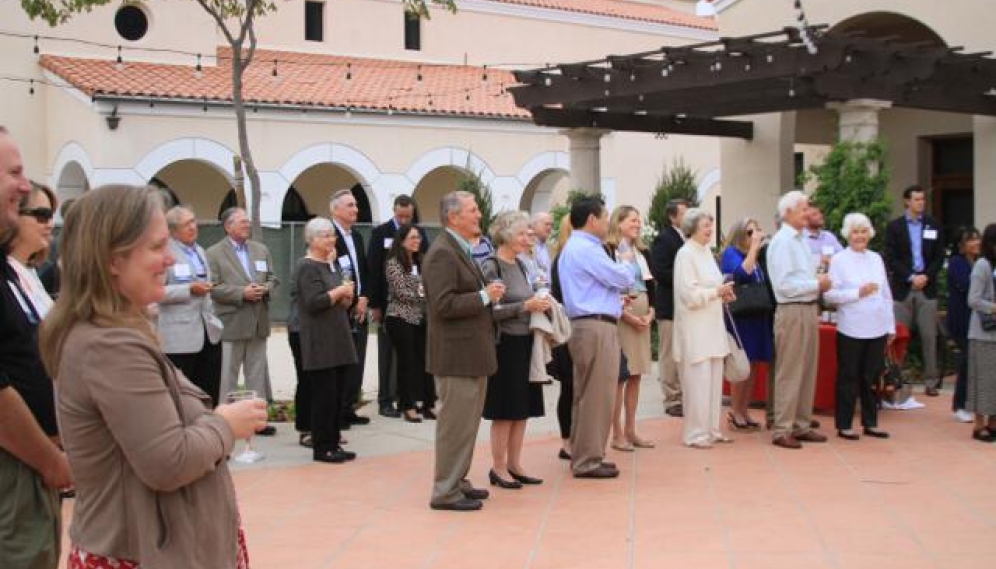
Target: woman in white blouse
x,y
866,325
27,247
699,293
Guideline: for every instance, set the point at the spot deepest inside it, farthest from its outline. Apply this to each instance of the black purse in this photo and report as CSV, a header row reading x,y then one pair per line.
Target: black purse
x,y
988,321
753,299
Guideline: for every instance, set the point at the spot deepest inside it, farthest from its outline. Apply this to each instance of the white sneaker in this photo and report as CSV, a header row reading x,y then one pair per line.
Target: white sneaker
x,y
963,416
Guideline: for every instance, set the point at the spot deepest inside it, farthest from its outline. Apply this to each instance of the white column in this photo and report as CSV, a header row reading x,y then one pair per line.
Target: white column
x,y
586,160
859,119
984,177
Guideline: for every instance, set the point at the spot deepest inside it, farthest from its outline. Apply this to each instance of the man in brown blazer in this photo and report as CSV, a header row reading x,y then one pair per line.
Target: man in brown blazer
x,y
460,349
242,279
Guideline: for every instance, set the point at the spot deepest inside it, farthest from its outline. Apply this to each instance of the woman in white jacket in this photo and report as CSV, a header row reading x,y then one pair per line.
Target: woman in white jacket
x,y
699,293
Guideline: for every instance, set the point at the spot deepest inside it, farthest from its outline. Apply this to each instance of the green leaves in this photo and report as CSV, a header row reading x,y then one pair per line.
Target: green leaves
x,y
678,182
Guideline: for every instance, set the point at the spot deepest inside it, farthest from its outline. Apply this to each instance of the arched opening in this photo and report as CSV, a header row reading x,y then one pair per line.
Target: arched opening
x,y
547,188
309,194
889,24
431,189
72,182
197,185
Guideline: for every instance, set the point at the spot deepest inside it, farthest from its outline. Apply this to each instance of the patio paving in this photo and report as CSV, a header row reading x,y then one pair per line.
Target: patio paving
x,y
924,498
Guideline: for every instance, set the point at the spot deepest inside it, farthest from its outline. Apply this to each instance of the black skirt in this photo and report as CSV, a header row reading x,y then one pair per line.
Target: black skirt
x,y
511,396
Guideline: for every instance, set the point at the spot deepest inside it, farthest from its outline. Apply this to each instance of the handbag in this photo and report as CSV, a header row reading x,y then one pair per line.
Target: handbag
x,y
753,299
736,365
988,320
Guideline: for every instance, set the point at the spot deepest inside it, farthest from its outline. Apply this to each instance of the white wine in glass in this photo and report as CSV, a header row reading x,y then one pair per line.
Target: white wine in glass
x,y
249,453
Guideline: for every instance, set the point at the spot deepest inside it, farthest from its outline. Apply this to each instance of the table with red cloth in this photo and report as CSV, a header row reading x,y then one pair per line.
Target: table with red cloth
x,y
826,370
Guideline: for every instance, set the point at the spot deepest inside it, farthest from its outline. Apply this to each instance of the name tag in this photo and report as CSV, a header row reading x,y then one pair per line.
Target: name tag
x,y
182,272
345,263
388,241
930,234
261,267
827,250
415,270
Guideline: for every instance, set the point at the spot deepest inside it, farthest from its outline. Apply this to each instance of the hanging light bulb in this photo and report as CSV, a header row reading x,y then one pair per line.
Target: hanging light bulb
x,y
349,71
119,63
274,75
349,112
31,89
607,78
197,69
36,50
418,77
484,75
548,81
390,110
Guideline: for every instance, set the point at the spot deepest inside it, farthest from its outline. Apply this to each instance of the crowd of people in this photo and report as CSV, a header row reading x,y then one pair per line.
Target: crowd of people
x,y
147,335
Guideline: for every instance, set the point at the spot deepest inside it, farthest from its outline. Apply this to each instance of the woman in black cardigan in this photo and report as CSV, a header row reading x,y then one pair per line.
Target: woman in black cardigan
x,y
326,345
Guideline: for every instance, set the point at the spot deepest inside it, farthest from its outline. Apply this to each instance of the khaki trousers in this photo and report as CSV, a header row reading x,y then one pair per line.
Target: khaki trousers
x,y
594,345
249,356
919,313
797,345
703,400
461,401
30,518
670,376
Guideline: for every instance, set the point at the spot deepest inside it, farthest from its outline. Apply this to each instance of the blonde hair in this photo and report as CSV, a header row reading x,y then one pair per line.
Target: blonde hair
x,y
104,222
738,233
563,234
613,238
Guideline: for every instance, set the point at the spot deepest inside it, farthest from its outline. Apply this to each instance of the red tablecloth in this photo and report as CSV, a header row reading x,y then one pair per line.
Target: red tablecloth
x,y
826,371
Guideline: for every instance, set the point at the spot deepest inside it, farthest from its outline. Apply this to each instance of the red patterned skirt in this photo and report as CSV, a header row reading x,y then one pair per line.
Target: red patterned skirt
x,y
79,559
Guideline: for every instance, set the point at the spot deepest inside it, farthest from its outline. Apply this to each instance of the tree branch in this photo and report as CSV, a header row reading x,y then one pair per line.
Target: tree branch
x,y
219,20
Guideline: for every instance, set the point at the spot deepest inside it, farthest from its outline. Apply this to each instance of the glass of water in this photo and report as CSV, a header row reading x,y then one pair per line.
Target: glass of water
x,y
249,453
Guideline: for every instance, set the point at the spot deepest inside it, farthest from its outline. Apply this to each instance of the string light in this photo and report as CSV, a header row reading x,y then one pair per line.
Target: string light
x,y
198,69
31,90
349,112
349,71
484,75
36,50
119,64
418,77
274,75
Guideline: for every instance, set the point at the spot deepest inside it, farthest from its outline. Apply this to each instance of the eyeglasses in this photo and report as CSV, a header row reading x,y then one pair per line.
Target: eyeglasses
x,y
41,214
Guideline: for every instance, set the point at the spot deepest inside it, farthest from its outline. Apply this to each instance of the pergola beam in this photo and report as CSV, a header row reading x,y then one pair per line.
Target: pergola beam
x,y
658,124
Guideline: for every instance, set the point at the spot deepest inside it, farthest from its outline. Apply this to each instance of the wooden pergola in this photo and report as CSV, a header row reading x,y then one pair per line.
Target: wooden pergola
x,y
689,89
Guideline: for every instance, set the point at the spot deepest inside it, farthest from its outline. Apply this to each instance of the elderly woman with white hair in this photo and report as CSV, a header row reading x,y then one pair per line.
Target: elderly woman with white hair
x,y
699,294
865,325
326,344
511,398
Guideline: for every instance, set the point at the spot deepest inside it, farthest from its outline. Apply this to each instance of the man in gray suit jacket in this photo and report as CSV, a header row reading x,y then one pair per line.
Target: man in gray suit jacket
x,y
188,328
242,279
460,349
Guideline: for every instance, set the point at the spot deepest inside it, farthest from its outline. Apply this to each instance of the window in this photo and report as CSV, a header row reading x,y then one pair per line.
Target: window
x,y
131,22
314,21
413,32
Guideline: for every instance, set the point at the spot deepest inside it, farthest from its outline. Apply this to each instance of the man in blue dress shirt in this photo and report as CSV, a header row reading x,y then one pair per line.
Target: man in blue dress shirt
x,y
593,285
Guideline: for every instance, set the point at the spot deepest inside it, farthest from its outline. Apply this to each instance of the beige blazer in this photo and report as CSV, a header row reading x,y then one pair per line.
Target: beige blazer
x,y
243,320
699,332
549,330
184,318
147,455
460,339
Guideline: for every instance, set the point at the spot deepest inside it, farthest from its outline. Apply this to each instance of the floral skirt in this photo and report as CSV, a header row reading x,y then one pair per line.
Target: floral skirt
x,y
79,559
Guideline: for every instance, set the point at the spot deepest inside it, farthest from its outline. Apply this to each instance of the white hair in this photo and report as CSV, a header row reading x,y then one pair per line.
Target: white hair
x,y
506,225
539,217
692,218
790,200
315,226
854,221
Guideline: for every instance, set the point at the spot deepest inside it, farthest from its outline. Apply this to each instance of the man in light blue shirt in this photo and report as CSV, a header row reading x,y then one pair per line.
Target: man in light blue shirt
x,y
797,287
593,285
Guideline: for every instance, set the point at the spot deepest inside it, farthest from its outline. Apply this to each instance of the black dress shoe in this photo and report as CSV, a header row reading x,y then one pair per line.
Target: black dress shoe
x,y
523,478
355,419
389,411
305,440
611,465
563,455
675,411
502,483
428,414
873,432
464,505
476,493
267,431
848,436
814,424
600,472
335,456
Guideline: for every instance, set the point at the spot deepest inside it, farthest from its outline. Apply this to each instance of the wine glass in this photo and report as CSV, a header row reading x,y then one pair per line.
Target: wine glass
x,y
540,286
501,283
249,453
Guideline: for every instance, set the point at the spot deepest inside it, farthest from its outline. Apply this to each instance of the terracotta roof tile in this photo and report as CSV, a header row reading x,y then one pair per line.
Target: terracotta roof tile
x,y
304,79
643,12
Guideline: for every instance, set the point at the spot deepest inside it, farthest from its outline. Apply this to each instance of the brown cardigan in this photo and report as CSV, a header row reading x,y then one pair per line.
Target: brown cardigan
x,y
147,455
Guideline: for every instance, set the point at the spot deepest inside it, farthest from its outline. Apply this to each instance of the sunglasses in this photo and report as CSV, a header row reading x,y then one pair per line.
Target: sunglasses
x,y
41,214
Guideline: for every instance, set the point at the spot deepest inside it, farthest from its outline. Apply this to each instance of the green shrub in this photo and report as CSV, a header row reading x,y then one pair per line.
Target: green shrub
x,y
676,182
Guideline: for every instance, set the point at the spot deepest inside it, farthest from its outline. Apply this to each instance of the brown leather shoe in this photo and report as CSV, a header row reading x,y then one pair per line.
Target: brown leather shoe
x,y
601,471
787,441
810,437
932,391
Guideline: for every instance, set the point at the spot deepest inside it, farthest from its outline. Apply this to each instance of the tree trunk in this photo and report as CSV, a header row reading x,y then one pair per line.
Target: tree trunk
x,y
238,105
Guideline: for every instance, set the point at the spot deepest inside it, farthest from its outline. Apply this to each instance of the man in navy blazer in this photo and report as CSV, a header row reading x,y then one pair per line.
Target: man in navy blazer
x,y
914,255
381,240
662,253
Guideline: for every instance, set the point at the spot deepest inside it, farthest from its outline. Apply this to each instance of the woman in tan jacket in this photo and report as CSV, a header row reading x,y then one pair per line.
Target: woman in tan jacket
x,y
146,451
699,294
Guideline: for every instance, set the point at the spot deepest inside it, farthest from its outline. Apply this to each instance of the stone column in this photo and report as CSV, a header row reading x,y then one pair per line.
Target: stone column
x,y
586,160
984,177
757,172
859,119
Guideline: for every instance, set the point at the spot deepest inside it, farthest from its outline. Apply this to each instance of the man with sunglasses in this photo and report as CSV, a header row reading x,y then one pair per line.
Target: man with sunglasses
x,y
32,468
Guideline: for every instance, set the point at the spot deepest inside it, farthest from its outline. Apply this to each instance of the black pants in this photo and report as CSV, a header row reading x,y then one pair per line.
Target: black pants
x,y
354,373
859,363
302,393
386,381
326,405
561,367
202,368
414,384
961,384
